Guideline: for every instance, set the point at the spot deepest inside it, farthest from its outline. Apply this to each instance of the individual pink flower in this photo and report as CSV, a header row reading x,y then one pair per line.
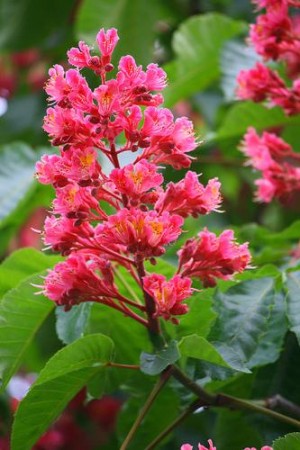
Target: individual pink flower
x,y
80,278
74,201
209,257
189,197
142,232
69,89
168,295
64,235
134,180
107,41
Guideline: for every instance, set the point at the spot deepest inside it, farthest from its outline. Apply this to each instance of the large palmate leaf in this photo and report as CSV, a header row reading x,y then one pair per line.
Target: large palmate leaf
x,y
63,376
17,167
21,264
135,20
22,313
197,44
293,302
243,313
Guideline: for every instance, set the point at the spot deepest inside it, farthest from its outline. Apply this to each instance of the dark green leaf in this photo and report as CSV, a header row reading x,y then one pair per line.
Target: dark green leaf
x,y
289,442
197,44
25,23
233,432
243,313
22,313
63,376
70,325
155,364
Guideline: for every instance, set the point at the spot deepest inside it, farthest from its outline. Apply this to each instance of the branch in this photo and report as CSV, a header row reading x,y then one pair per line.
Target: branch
x,y
153,394
189,410
221,400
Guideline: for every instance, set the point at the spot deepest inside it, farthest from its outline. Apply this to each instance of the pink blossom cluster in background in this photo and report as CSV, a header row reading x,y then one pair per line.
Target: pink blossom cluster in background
x,y
102,220
275,36
70,430
212,447
276,160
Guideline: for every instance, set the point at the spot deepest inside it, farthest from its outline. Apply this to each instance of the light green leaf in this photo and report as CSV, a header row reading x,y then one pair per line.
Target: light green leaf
x,y
245,114
154,364
22,313
21,264
70,325
197,347
289,442
293,302
63,376
197,44
17,167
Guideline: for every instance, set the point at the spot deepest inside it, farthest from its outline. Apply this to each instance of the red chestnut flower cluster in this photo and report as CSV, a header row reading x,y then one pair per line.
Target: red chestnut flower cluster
x,y
124,115
275,36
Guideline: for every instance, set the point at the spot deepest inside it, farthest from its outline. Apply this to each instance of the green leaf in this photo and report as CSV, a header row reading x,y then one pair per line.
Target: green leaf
x,y
25,23
200,316
236,56
63,376
245,114
21,264
289,442
271,341
137,35
293,303
70,325
197,44
155,364
243,312
197,347
17,166
22,313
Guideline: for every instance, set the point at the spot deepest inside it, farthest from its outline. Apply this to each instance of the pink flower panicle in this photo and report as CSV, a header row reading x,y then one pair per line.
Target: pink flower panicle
x,y
275,36
276,160
101,220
